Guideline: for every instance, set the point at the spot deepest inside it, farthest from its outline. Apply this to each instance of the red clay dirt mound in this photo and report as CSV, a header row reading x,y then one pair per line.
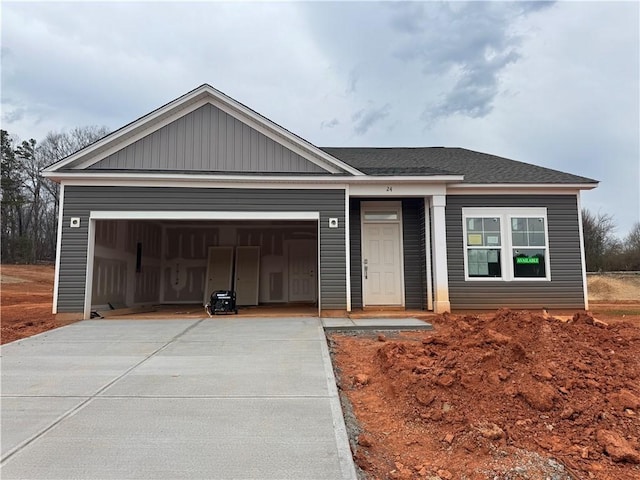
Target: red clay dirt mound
x,y
496,398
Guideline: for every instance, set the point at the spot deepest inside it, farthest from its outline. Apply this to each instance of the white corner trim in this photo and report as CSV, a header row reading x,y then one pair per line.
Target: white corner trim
x,y
440,267
56,278
318,267
347,245
88,281
583,260
427,249
438,201
204,215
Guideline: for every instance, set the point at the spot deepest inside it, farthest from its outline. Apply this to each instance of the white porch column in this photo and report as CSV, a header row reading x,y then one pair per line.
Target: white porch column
x,y
439,248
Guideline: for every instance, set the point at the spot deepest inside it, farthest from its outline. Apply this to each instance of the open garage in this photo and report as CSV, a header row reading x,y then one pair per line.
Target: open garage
x,y
168,261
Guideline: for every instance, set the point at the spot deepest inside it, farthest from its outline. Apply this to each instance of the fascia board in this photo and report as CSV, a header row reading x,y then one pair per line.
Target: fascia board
x,y
189,178
517,188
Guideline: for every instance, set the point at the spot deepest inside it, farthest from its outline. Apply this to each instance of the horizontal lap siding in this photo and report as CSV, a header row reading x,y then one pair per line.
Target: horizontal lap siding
x,y
80,201
565,290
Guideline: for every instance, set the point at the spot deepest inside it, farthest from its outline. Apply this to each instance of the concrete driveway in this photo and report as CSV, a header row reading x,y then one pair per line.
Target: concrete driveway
x,y
220,398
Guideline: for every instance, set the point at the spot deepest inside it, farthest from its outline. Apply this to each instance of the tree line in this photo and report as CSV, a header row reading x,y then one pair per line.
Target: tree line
x,y
30,202
604,251
29,205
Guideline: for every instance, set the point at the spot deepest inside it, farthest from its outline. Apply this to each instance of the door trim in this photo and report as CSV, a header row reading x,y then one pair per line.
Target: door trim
x,y
376,206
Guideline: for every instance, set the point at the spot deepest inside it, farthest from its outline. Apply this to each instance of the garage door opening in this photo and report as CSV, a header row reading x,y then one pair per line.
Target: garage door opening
x,y
179,263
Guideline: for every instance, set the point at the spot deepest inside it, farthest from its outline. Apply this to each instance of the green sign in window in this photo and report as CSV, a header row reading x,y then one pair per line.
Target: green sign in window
x,y
527,260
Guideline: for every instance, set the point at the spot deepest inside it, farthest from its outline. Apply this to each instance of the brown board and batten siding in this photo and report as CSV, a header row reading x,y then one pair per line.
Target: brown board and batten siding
x,y
565,290
79,201
207,139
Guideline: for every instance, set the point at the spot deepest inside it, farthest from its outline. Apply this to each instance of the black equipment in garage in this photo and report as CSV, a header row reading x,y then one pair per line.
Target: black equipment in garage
x,y
222,301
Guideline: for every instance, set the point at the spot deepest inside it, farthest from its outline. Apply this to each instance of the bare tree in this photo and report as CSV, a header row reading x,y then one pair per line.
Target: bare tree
x,y
55,147
599,240
29,201
631,250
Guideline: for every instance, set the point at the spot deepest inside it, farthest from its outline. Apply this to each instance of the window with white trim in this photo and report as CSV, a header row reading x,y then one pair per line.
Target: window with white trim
x,y
506,244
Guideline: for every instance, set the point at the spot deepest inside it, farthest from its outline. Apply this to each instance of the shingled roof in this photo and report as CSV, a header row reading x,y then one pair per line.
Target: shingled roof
x,y
476,167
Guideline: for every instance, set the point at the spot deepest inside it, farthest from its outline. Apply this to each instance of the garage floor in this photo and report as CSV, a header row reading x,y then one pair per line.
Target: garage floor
x,y
223,399
197,311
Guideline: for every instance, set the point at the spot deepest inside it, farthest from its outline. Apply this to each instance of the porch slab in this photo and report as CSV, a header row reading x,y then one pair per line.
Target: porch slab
x,y
342,324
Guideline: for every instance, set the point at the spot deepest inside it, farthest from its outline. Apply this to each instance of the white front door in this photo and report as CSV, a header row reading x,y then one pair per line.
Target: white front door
x,y
302,270
247,275
382,264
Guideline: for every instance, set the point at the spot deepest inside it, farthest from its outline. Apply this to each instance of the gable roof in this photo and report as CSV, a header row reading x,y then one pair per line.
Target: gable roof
x,y
110,157
477,167
178,108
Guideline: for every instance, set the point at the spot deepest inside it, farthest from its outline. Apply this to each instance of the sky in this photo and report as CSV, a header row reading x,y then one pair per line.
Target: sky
x,y
552,84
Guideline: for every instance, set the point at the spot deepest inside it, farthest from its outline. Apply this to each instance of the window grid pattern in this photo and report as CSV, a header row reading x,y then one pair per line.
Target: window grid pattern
x,y
482,234
491,239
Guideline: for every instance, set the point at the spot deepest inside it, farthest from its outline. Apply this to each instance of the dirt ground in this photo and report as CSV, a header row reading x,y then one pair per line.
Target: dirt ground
x,y
25,297
501,395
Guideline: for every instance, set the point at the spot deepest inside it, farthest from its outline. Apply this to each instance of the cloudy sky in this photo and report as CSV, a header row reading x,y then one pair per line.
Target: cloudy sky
x,y
554,84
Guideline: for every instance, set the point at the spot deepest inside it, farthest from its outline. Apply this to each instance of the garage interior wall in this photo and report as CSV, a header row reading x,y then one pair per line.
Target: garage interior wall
x,y
141,262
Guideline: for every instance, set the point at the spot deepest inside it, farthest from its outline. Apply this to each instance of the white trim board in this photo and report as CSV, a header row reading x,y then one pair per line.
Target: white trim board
x,y
138,178
56,278
347,246
517,189
88,282
583,261
187,215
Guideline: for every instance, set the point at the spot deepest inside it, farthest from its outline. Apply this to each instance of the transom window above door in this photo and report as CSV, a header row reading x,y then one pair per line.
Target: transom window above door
x,y
505,244
377,216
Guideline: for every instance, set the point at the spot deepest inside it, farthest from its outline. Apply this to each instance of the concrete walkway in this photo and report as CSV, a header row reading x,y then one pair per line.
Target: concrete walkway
x,y
218,398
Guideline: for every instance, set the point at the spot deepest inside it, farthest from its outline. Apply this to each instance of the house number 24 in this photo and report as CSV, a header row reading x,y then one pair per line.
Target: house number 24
x,y
389,189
